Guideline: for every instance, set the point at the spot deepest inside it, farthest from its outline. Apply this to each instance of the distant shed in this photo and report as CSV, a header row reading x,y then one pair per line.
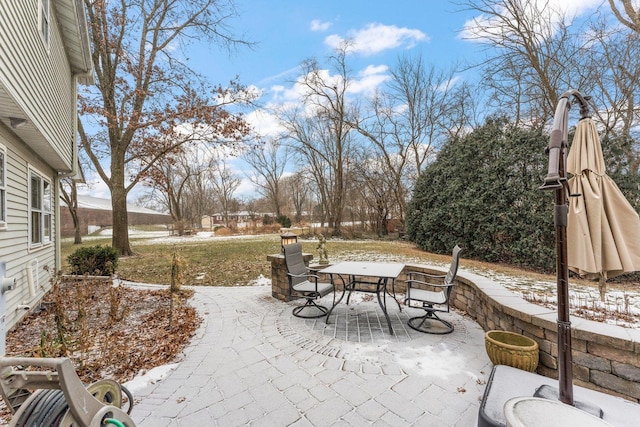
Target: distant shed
x,y
95,213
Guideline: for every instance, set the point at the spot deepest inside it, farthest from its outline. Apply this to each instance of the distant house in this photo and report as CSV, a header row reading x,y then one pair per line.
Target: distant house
x,y
236,219
95,213
44,54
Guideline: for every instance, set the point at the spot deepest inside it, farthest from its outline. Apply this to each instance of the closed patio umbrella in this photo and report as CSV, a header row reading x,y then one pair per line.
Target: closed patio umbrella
x,y
603,229
556,181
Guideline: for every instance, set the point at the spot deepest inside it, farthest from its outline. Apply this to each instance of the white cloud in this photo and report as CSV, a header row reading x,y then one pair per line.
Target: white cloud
x,y
575,7
376,38
444,86
297,91
264,123
317,25
369,79
290,98
246,189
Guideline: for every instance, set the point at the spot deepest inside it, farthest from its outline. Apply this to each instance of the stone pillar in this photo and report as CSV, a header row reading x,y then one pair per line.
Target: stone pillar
x,y
279,279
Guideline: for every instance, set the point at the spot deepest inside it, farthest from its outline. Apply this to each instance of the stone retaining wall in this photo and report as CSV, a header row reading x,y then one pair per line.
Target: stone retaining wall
x,y
605,357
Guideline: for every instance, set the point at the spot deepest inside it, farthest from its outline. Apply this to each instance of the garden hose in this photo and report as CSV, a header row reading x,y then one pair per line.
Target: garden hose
x,y
48,408
129,396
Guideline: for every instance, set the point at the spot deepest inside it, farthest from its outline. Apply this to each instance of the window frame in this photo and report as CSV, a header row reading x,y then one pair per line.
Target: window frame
x,y
44,21
3,188
40,209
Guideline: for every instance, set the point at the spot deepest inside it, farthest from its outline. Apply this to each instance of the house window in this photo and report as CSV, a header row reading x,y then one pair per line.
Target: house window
x,y
39,209
43,19
3,188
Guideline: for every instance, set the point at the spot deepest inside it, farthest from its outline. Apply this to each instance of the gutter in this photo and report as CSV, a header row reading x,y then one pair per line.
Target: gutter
x,y
86,74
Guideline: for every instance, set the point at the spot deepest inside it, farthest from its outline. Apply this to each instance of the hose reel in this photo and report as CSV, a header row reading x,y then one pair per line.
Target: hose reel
x,y
57,397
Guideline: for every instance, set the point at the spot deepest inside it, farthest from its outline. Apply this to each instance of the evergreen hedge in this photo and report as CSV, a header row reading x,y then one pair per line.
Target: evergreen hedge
x,y
482,193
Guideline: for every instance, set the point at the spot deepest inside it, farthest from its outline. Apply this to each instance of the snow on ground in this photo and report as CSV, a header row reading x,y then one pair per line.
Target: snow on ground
x,y
620,308
260,281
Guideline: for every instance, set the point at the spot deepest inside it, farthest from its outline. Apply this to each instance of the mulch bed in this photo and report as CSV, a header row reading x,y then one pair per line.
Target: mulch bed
x,y
107,331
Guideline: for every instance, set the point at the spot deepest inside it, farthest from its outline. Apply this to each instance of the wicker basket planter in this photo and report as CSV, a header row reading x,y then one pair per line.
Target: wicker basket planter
x,y
511,349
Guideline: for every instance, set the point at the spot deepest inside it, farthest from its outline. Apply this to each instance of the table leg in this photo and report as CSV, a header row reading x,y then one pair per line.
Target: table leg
x,y
382,283
352,286
344,289
393,295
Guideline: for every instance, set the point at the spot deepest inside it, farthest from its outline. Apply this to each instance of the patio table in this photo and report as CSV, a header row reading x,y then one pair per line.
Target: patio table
x,y
374,274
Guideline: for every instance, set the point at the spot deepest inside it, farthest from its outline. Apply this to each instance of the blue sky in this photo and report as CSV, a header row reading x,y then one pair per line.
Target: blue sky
x,y
286,32
289,31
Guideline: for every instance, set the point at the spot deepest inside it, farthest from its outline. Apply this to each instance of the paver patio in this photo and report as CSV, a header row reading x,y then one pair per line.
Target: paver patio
x,y
253,363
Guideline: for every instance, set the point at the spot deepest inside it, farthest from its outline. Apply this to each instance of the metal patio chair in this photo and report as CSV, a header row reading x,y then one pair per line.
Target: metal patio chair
x,y
432,297
303,283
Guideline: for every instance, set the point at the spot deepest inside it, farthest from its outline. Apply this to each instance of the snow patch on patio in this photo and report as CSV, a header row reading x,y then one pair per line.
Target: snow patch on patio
x,y
436,361
152,376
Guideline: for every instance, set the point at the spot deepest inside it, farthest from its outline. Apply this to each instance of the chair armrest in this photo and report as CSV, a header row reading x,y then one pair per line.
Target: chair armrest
x,y
305,275
420,273
410,283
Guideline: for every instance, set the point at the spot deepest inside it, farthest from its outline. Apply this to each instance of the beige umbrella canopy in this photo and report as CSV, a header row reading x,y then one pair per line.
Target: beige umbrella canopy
x,y
603,229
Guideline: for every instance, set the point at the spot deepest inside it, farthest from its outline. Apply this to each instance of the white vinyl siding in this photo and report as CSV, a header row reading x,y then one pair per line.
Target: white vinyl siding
x,y
42,44
39,79
45,21
3,187
40,204
15,247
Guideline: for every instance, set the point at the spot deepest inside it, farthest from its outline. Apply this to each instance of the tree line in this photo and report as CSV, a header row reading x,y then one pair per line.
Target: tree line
x,y
356,158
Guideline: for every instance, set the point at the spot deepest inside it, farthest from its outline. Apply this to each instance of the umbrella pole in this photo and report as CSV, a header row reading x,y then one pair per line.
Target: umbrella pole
x,y
565,358
556,180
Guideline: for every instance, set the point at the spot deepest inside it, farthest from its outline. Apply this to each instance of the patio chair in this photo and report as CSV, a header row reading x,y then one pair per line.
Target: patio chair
x,y
302,283
432,297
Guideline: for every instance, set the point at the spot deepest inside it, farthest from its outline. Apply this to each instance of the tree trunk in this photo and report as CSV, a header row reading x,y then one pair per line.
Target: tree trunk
x,y
72,204
77,236
120,238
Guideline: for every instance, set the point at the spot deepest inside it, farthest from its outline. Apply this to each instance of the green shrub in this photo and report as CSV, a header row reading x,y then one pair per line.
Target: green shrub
x,y
96,260
284,221
482,193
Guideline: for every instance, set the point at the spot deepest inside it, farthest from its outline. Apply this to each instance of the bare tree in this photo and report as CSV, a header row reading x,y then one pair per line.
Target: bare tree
x,y
224,184
180,186
408,121
267,162
631,17
611,62
374,186
298,189
320,130
147,100
529,53
200,199
69,194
